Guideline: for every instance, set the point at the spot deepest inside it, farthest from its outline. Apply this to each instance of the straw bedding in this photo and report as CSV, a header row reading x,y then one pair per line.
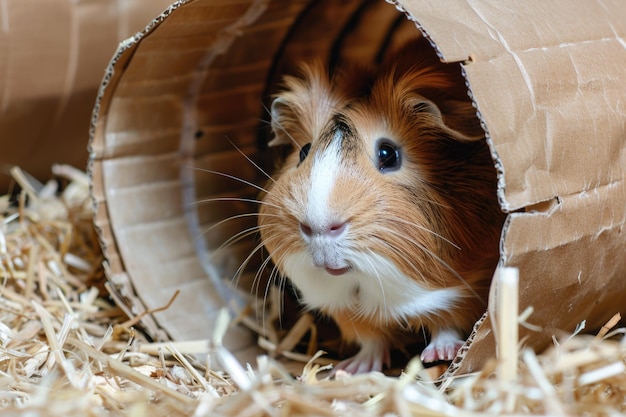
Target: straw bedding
x,y
67,349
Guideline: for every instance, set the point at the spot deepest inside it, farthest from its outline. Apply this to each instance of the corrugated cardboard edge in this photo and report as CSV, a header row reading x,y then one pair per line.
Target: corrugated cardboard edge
x,y
120,285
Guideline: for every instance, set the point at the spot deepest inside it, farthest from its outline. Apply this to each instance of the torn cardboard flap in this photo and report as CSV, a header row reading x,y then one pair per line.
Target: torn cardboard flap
x,y
548,90
547,79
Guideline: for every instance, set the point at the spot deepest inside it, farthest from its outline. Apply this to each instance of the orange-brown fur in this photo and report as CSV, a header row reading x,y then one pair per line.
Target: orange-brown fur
x,y
447,183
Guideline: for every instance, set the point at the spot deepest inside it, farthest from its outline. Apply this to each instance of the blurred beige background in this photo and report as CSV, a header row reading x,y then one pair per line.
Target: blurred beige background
x,y
53,54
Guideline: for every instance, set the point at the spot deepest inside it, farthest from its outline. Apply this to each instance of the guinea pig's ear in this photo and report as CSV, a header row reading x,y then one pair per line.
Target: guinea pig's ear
x,y
419,104
279,112
458,119
461,117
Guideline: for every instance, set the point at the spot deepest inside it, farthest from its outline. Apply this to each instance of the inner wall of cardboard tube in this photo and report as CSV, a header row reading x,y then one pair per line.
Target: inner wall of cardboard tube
x,y
156,160
345,34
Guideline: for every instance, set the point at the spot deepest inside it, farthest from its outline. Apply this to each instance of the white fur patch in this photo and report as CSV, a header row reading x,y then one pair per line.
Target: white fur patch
x,y
374,288
323,179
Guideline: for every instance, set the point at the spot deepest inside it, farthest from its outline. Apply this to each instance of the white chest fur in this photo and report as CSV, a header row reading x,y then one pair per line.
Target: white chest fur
x,y
374,288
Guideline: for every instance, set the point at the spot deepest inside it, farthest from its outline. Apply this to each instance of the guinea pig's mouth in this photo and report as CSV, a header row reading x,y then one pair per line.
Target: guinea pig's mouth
x,y
337,271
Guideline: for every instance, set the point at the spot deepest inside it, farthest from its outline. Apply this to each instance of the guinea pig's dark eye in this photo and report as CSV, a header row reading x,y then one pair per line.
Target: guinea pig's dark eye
x,y
304,151
388,155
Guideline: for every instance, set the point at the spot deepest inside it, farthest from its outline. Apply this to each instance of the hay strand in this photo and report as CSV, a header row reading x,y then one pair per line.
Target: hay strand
x,y
507,280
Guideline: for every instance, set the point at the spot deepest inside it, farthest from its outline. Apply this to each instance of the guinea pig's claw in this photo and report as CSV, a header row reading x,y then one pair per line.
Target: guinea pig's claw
x,y
443,347
441,350
371,358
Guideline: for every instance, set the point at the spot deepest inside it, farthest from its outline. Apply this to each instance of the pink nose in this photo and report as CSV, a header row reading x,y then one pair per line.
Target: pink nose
x,y
334,230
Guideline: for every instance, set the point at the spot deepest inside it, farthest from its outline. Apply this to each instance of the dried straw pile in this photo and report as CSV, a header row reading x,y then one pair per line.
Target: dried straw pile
x,y
66,349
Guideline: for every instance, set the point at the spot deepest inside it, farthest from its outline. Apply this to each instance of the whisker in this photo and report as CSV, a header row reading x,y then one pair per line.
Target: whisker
x,y
235,217
425,229
441,262
265,121
232,177
282,285
274,273
431,254
260,269
257,276
436,203
236,238
420,246
249,257
384,313
268,111
404,257
268,287
244,264
272,277
237,199
250,160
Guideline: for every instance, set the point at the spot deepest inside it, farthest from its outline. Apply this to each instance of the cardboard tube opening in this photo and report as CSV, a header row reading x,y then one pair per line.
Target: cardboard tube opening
x,y
183,101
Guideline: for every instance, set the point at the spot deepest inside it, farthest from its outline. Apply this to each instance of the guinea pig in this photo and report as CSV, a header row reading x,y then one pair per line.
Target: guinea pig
x,y
385,215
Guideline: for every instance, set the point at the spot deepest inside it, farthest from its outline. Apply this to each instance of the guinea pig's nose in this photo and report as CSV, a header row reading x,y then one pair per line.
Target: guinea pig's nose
x,y
334,230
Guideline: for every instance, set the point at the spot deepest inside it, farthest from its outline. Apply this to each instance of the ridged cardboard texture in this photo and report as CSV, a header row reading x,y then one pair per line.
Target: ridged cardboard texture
x,y
548,80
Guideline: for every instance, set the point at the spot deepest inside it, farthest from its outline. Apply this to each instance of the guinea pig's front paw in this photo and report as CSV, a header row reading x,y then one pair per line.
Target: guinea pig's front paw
x,y
443,347
372,356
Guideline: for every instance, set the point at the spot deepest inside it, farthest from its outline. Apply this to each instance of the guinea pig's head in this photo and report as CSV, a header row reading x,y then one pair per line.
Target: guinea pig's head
x,y
370,210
